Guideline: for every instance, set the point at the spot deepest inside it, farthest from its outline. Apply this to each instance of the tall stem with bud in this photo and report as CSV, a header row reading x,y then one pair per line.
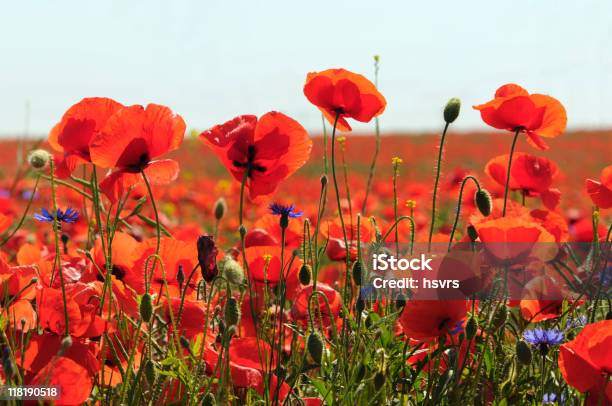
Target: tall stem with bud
x,y
451,112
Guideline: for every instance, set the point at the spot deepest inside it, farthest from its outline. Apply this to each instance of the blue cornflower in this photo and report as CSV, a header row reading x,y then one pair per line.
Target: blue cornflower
x,y
285,211
457,329
543,338
540,336
69,216
580,321
553,398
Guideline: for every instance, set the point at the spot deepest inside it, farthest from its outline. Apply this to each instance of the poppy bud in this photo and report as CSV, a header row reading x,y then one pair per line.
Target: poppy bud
x,y
209,400
379,380
523,352
232,312
242,230
185,343
471,327
400,301
180,275
361,370
305,274
482,199
232,270
146,307
358,272
207,257
39,158
359,305
323,180
472,233
150,372
500,316
314,344
220,208
451,110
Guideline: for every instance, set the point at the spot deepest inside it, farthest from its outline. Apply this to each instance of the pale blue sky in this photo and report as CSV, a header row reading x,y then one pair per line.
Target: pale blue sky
x,y
212,60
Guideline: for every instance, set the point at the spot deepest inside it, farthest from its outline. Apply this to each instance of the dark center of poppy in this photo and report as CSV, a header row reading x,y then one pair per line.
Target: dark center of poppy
x,y
250,164
443,323
140,164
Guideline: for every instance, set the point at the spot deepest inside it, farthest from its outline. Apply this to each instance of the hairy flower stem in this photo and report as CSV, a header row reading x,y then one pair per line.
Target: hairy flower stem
x,y
435,190
395,175
516,134
459,203
376,148
346,243
57,262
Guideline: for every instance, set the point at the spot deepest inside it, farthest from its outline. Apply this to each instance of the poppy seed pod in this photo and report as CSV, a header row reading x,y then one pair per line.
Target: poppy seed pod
x,y
180,275
146,308
451,110
305,274
314,344
471,327
472,233
220,208
482,199
207,257
232,312
523,352
358,272
39,158
150,372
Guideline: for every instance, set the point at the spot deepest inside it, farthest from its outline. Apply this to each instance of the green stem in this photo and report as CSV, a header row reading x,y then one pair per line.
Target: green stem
x,y
435,191
57,263
452,234
516,134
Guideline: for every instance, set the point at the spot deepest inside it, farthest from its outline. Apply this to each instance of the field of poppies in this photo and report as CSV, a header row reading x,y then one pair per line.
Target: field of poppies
x,y
142,263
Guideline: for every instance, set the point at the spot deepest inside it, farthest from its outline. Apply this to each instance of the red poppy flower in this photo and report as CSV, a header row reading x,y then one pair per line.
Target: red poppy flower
x,y
268,150
537,115
175,254
427,319
601,192
72,378
533,175
513,240
72,135
339,91
586,362
130,141
265,266
299,310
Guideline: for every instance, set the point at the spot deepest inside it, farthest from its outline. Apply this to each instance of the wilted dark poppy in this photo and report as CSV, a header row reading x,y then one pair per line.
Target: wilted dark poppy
x,y
207,257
